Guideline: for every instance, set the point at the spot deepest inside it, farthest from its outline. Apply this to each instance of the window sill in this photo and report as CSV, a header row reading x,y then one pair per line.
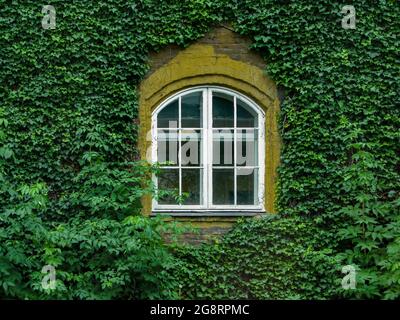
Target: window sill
x,y
208,213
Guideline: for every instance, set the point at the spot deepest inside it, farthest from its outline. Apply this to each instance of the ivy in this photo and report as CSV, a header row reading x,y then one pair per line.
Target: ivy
x,y
69,129
266,258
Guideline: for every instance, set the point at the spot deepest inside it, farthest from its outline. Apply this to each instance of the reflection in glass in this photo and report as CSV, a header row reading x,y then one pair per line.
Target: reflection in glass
x,y
223,186
168,117
246,193
192,184
246,116
222,110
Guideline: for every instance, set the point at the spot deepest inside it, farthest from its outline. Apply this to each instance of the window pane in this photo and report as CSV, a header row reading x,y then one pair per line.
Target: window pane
x,y
223,147
246,116
247,147
192,184
168,180
234,141
168,116
191,147
246,182
167,146
222,110
223,186
191,111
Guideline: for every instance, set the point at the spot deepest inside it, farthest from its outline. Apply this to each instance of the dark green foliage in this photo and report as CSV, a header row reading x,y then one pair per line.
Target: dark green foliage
x,y
267,258
104,252
68,129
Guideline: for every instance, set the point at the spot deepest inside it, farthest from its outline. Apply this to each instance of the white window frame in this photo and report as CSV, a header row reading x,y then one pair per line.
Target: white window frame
x,y
207,153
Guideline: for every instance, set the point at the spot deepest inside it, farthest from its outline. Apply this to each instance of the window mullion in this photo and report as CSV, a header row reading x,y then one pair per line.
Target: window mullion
x,y
234,153
204,147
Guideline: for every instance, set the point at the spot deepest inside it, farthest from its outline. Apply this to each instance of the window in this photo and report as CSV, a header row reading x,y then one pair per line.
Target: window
x,y
210,143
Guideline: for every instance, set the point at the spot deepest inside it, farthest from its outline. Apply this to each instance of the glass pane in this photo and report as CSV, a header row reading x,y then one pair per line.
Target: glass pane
x,y
192,184
191,147
223,186
246,116
191,111
222,110
168,116
247,147
167,146
223,147
168,180
246,187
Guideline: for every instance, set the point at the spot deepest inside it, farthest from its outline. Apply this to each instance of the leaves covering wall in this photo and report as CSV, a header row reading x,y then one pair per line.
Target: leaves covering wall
x,y
73,90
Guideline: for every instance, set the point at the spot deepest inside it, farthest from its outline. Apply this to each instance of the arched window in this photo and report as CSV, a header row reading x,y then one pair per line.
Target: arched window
x,y
210,141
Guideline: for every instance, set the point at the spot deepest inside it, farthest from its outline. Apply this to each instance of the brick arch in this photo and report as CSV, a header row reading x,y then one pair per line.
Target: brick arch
x,y
221,58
